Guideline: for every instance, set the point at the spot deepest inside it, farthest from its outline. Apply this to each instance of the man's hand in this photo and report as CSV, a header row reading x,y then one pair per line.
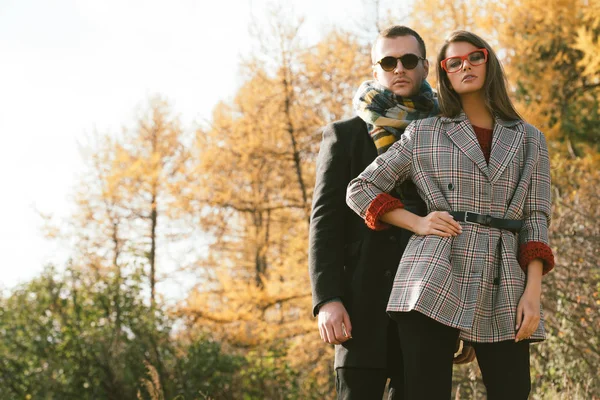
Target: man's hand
x,y
439,223
334,323
464,355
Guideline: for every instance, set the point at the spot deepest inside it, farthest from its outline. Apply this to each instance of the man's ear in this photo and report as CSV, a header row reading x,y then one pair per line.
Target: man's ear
x,y
426,68
375,73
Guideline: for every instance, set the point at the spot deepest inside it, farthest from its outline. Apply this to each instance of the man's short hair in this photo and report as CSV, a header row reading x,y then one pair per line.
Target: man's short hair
x,y
396,31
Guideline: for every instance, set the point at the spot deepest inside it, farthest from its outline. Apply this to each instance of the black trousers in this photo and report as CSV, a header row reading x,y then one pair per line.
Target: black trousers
x,y
369,383
428,349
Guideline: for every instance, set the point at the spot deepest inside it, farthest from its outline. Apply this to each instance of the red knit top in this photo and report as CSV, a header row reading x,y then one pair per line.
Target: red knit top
x,y
484,137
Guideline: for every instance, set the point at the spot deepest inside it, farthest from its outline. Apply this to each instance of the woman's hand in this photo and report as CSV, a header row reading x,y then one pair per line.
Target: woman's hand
x,y
528,310
528,313
439,223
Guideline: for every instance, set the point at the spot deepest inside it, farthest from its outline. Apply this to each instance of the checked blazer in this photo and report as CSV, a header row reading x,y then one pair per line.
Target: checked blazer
x,y
473,281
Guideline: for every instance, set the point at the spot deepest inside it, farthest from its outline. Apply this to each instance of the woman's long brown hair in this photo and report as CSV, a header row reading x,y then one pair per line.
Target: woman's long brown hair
x,y
495,93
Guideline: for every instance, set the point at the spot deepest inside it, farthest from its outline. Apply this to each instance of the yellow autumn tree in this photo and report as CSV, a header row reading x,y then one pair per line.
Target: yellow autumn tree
x,y
126,201
252,188
333,70
151,177
251,192
255,288
552,47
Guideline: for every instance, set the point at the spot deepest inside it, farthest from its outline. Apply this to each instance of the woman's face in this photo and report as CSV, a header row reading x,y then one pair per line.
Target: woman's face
x,y
464,76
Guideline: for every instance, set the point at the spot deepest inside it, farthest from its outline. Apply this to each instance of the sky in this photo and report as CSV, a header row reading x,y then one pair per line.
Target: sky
x,y
69,68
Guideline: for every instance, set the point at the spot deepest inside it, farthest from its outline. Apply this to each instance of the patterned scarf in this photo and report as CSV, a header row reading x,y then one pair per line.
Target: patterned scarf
x,y
387,115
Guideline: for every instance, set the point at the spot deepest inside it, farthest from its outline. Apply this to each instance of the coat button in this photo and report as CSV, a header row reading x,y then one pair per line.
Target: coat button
x,y
387,273
450,186
393,239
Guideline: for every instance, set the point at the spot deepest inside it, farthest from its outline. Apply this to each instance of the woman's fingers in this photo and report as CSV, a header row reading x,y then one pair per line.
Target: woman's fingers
x,y
528,328
443,221
439,232
532,325
524,331
446,227
527,323
519,316
449,219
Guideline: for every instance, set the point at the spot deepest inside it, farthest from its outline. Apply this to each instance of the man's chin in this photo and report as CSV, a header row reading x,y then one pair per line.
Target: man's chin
x,y
404,92
403,89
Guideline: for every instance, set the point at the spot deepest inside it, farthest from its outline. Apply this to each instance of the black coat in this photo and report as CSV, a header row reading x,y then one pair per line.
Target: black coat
x,y
346,258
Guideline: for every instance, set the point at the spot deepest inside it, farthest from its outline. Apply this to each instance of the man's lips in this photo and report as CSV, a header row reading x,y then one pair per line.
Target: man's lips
x,y
401,82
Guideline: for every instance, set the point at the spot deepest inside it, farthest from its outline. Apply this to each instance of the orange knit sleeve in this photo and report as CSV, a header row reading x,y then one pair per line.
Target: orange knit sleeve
x,y
532,250
382,204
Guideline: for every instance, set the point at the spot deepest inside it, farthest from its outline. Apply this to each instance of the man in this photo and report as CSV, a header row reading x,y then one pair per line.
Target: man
x,y
351,266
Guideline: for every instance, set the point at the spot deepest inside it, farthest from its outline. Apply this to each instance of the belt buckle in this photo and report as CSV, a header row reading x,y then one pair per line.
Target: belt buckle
x,y
465,219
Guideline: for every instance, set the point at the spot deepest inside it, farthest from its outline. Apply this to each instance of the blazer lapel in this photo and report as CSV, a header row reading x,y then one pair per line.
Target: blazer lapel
x,y
506,141
463,136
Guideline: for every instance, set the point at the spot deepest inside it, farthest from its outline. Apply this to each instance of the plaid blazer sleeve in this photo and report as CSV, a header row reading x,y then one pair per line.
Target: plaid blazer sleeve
x,y
533,238
392,167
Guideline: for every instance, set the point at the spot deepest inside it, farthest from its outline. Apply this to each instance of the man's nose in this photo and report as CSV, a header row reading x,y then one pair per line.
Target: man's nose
x,y
399,67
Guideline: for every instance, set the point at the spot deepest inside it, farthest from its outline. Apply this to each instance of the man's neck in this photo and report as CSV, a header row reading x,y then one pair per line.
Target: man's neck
x,y
473,105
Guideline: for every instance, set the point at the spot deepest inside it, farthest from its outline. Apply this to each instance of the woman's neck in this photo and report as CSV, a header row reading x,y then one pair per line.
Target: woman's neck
x,y
478,114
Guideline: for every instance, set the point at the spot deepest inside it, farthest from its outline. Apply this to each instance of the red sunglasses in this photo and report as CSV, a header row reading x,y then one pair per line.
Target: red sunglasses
x,y
475,57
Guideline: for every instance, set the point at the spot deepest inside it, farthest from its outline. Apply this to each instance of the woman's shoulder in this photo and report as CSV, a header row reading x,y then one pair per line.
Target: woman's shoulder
x,y
531,132
529,128
427,123
421,129
533,138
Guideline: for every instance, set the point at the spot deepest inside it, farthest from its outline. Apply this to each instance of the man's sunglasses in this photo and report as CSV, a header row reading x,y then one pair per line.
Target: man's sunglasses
x,y
454,64
389,63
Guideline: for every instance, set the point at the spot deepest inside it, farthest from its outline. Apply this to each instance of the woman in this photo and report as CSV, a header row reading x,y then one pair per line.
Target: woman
x,y
474,268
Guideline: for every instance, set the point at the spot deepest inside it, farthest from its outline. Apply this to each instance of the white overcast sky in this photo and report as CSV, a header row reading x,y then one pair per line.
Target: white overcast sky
x,y
70,67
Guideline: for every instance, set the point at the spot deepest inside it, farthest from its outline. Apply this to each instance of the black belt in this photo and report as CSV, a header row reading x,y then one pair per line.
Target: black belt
x,y
513,225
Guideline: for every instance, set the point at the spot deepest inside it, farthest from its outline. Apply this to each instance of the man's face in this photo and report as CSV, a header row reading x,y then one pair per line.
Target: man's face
x,y
403,82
